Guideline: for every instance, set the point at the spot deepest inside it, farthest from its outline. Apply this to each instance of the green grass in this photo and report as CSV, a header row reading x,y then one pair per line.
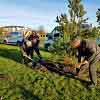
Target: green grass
x,y
22,83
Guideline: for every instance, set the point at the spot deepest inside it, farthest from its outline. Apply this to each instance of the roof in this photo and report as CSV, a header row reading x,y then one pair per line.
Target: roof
x,y
12,26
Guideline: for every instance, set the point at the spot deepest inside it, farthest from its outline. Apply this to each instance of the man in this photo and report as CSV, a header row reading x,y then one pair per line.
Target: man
x,y
91,55
35,43
30,44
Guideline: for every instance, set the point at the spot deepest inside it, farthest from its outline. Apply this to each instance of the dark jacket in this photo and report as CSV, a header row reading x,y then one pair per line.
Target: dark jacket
x,y
88,50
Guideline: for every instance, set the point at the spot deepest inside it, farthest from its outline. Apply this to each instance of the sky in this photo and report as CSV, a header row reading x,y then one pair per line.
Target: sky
x,y
36,13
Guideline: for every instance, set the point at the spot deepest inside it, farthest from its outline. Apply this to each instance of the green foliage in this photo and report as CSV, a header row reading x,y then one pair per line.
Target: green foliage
x,y
61,48
57,46
63,22
77,12
90,33
24,83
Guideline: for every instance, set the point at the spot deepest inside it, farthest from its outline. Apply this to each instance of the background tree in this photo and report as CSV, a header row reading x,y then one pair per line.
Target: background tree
x,y
98,20
98,15
90,33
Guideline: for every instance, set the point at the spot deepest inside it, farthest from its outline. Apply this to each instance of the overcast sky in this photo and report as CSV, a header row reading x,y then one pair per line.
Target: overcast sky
x,y
34,13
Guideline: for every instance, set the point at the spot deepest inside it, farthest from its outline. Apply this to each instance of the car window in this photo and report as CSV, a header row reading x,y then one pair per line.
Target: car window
x,y
56,35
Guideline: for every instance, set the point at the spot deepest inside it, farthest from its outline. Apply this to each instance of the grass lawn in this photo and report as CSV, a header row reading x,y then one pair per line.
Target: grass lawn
x,y
19,82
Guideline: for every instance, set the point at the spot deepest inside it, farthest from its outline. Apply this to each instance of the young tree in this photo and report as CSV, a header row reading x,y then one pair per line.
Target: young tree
x,y
76,15
72,24
77,12
63,22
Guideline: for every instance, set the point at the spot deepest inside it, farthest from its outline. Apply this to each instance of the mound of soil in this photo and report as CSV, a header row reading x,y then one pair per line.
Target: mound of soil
x,y
59,67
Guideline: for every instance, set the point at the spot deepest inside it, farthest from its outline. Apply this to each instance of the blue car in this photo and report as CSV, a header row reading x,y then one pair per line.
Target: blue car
x,y
14,38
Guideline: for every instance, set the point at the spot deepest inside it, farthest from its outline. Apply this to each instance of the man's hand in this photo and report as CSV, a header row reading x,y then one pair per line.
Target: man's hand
x,y
85,62
80,64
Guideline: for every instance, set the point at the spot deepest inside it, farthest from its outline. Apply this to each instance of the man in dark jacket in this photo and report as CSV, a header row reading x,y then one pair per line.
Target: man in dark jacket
x,y
91,55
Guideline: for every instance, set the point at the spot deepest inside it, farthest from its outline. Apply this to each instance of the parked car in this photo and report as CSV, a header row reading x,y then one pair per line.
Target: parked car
x,y
48,42
51,37
14,38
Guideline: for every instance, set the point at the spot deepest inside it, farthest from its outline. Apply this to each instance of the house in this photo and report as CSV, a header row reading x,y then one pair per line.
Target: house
x,y
6,30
